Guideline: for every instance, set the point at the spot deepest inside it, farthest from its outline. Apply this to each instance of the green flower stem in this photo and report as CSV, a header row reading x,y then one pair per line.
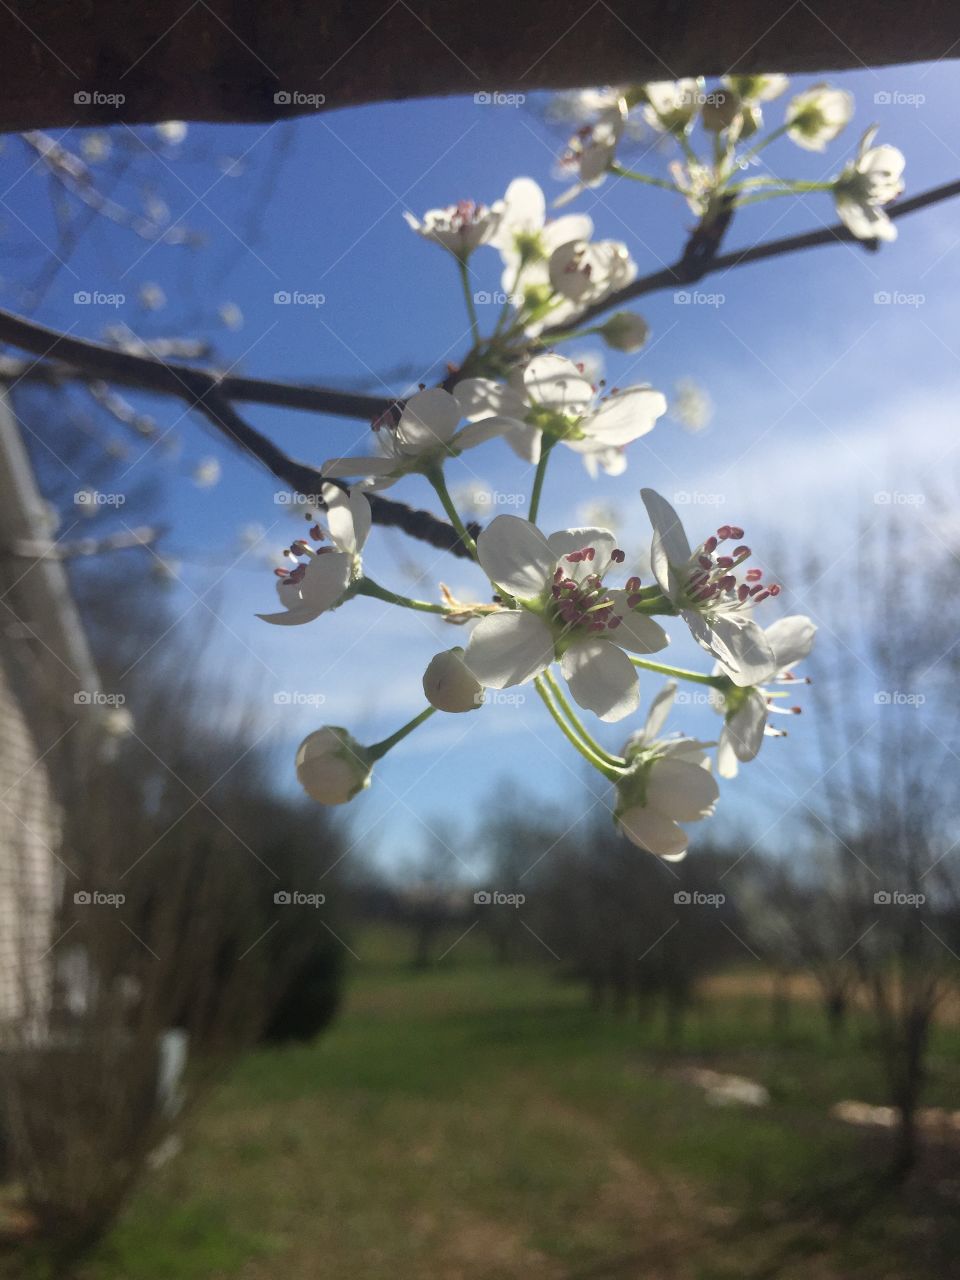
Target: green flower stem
x,y
588,754
679,673
380,749
545,448
577,724
367,587
645,178
435,476
794,188
468,298
765,142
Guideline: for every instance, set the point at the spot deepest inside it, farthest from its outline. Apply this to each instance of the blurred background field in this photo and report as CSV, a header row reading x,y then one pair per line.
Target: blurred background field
x,y
475,1119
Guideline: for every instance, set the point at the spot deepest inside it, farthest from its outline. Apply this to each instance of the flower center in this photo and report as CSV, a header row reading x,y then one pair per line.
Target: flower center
x,y
712,584
578,606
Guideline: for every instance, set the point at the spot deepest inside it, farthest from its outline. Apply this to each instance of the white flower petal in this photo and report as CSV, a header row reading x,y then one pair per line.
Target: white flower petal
x,y
507,648
727,764
525,441
682,791
601,678
626,416
744,729
742,648
791,639
654,833
556,383
566,541
484,398
515,555
345,468
670,548
429,418
637,631
659,711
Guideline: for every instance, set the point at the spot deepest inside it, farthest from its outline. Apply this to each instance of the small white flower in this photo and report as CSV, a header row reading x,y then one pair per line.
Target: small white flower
x,y
873,179
592,150
817,115
758,88
171,131
691,406
152,297
565,613
587,271
332,767
704,588
417,438
550,396
582,106
450,685
96,147
526,238
745,711
669,782
460,228
206,473
323,574
672,104
230,315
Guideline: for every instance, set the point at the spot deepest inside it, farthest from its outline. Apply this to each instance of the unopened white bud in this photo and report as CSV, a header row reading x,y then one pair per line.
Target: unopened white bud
x,y
332,767
450,685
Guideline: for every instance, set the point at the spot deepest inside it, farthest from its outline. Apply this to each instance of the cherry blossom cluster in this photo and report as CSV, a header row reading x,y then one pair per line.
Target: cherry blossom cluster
x,y
727,171
570,612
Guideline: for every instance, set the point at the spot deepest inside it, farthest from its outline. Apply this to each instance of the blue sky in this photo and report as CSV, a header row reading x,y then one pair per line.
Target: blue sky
x,y
824,397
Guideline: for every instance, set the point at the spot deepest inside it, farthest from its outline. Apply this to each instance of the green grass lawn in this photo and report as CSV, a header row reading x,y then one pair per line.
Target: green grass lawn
x,y
478,1121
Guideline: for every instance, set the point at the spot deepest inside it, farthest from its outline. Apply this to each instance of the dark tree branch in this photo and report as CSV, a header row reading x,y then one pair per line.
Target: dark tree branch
x,y
61,356
689,269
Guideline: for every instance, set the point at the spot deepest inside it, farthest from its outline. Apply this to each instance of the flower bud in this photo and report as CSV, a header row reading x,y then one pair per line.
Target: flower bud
x,y
450,685
332,767
720,110
625,331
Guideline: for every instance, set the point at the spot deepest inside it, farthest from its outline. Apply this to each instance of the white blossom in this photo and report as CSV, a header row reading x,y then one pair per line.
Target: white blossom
x,y
745,711
526,238
704,588
565,613
420,437
672,104
873,179
549,395
816,116
459,228
669,782
324,574
592,150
